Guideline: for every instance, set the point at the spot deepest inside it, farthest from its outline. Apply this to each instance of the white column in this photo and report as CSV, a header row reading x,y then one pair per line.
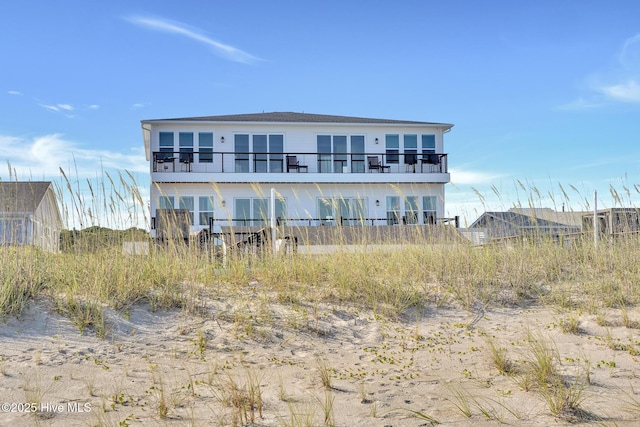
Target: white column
x,y
273,220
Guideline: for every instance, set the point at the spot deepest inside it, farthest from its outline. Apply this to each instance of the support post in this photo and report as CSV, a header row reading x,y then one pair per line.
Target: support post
x,y
595,219
273,221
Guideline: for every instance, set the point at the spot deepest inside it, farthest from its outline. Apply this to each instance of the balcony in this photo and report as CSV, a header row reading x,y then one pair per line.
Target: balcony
x,y
325,164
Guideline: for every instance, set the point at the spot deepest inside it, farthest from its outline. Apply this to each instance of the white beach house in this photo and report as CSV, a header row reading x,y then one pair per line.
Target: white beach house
x,y
325,169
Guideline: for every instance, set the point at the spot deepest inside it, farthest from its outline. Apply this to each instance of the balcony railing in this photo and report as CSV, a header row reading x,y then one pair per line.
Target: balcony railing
x,y
263,162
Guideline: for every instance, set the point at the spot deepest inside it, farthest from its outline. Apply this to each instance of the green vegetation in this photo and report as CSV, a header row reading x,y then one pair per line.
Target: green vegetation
x,y
386,282
92,272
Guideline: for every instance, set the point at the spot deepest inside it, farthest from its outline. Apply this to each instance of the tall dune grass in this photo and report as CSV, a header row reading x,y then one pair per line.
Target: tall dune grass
x,y
92,272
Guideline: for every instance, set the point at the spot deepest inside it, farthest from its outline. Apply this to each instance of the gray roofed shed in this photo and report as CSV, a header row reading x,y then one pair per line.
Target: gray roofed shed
x,y
29,215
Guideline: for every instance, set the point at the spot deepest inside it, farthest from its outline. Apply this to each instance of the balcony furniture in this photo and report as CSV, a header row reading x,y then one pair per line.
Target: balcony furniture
x,y
294,164
374,164
161,162
430,159
410,161
186,159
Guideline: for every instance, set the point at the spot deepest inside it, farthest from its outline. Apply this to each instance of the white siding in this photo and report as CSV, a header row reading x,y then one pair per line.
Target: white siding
x,y
300,190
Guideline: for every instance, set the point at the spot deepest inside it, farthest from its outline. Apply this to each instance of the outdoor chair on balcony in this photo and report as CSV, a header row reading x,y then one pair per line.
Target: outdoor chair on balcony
x,y
294,164
185,160
430,159
410,161
374,164
162,161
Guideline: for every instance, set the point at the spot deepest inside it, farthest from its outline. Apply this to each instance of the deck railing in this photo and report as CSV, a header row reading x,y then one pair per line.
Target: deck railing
x,y
269,162
215,223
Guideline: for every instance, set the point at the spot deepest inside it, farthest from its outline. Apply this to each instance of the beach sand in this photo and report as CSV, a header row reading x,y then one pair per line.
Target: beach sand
x,y
242,361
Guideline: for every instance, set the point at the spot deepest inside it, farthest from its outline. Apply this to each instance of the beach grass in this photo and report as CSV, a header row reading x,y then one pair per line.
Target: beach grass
x,y
520,272
92,274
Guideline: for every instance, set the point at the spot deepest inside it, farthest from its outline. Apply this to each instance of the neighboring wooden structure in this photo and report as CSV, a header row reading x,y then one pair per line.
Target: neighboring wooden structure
x,y
29,215
614,221
172,224
519,222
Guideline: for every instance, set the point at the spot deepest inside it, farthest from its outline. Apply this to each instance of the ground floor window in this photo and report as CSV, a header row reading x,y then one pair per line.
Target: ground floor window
x,y
165,202
411,210
343,210
429,209
187,203
205,210
393,210
255,211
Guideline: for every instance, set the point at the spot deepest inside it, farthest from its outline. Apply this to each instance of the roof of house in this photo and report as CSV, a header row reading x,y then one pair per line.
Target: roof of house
x,y
525,220
22,196
571,218
289,117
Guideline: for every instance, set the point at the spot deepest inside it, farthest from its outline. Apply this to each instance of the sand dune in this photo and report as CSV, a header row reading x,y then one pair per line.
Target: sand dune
x,y
242,362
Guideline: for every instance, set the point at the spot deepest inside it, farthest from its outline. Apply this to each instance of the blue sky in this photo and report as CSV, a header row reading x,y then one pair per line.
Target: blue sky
x,y
542,94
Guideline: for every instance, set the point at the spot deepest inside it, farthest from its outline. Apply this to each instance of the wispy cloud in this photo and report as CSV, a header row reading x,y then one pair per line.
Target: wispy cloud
x,y
43,156
579,105
628,91
630,52
224,50
59,108
469,177
64,108
624,84
620,83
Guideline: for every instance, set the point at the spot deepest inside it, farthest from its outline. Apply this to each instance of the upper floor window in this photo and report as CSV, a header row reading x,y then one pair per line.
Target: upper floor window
x,y
410,149
392,146
241,147
276,150
268,153
205,147
185,142
428,144
324,153
166,143
332,155
260,153
340,153
357,154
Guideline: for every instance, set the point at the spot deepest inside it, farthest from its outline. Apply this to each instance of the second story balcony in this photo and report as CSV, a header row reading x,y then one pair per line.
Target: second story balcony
x,y
270,165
